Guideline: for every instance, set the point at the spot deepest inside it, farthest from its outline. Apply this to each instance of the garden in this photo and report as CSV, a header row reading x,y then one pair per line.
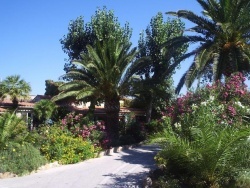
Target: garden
x,y
204,134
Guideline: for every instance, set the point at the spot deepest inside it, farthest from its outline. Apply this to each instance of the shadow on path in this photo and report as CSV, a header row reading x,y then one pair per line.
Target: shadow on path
x,y
141,160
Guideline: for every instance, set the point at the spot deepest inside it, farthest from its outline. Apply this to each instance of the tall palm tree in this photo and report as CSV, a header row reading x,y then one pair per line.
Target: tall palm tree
x,y
223,34
103,73
14,87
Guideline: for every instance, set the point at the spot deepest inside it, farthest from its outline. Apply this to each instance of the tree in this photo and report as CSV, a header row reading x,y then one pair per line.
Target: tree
x,y
103,25
223,38
51,87
14,87
104,72
156,79
44,110
79,35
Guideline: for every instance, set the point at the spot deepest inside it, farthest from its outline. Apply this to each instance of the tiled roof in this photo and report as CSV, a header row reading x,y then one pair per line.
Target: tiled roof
x,y
5,104
2,109
101,110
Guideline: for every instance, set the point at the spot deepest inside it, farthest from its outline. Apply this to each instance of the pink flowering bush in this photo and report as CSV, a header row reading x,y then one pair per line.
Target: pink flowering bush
x,y
229,101
80,126
208,142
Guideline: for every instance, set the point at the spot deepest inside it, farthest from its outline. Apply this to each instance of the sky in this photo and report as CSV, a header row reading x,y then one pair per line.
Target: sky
x,y
31,30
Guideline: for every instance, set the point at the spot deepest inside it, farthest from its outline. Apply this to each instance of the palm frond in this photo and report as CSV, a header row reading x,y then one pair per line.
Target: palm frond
x,y
200,21
181,83
64,95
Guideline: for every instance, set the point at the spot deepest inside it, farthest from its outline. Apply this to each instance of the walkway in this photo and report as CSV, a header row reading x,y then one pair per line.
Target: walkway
x,y
119,170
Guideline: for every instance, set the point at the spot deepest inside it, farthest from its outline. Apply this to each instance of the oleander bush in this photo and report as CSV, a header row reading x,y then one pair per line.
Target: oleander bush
x,y
206,140
79,125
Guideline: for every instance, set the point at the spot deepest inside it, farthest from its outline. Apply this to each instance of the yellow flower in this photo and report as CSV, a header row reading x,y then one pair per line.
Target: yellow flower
x,y
14,150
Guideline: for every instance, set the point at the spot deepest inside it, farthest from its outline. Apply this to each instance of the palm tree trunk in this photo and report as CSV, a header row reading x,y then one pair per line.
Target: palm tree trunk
x,y
149,109
112,109
15,103
91,110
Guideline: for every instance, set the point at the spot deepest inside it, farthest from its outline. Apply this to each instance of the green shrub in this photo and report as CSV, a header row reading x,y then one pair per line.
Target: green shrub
x,y
16,154
35,138
20,158
131,131
243,180
12,129
201,153
64,147
156,126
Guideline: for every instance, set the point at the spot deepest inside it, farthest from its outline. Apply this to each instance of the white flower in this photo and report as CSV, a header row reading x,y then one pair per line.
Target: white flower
x,y
221,107
194,106
211,98
239,104
204,103
177,125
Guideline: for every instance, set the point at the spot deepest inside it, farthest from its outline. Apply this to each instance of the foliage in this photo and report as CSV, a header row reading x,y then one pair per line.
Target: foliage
x,y
12,129
229,100
89,131
104,73
103,25
132,133
206,137
62,146
45,110
222,35
104,69
155,126
51,87
207,154
243,180
14,87
35,138
16,154
156,84
20,159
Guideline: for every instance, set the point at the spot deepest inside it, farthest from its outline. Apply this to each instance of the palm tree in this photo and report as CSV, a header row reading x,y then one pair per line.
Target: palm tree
x,y
103,73
12,129
16,88
223,34
44,110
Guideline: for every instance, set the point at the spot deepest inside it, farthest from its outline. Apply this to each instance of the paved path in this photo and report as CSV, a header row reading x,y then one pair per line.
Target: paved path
x,y
124,169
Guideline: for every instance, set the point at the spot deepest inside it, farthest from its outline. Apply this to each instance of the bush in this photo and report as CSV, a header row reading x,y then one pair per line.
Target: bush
x,y
35,138
206,142
78,125
155,126
207,155
20,159
229,102
12,129
62,146
16,154
243,180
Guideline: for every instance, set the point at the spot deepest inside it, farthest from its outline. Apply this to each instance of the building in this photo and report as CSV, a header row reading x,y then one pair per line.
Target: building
x,y
25,109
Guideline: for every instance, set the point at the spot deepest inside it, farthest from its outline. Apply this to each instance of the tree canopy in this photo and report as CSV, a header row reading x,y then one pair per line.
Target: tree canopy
x,y
16,88
222,36
103,25
156,84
